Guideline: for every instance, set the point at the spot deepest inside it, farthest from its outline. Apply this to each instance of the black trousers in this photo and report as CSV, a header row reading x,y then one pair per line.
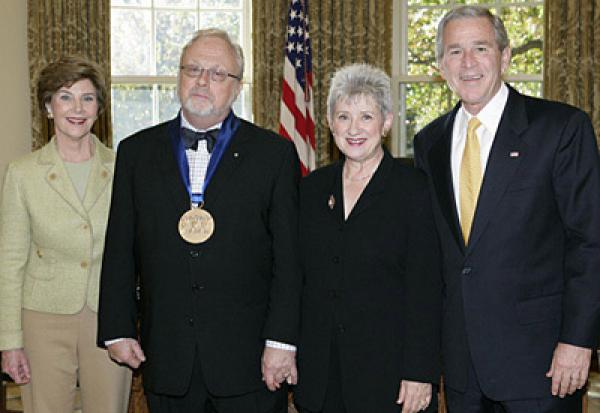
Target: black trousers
x,y
474,401
334,399
199,400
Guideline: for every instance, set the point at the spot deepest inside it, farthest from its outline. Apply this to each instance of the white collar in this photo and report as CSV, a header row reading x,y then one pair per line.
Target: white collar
x,y
186,124
491,113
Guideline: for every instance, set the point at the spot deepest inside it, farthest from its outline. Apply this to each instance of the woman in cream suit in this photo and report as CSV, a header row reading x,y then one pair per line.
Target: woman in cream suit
x,y
53,218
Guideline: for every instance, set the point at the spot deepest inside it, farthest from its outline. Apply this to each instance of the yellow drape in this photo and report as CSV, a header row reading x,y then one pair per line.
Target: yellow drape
x,y
572,55
64,27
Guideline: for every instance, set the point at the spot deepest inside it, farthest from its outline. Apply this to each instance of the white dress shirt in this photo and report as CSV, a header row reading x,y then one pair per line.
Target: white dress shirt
x,y
489,117
197,159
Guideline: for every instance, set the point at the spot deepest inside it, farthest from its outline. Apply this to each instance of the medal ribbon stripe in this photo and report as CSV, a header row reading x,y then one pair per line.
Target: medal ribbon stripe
x,y
196,225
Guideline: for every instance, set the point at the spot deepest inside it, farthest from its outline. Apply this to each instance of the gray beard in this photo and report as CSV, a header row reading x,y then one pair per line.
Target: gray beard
x,y
209,111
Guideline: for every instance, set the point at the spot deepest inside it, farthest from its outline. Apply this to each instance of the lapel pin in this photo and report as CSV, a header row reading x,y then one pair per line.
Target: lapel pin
x,y
236,155
514,154
331,202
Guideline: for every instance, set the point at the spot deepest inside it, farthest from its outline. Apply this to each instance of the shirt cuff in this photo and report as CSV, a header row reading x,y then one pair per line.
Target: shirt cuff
x,y
113,341
280,345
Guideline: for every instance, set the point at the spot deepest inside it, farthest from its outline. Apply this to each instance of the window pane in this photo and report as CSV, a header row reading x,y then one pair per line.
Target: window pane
x,y
132,110
424,103
175,3
426,2
422,25
144,3
242,107
226,20
131,42
168,102
529,88
147,38
221,3
525,26
173,30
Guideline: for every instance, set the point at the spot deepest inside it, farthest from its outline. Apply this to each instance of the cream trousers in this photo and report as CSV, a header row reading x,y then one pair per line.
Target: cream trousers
x,y
62,352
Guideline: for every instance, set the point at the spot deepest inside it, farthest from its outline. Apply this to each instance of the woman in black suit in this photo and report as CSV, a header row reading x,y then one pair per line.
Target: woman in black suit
x,y
372,282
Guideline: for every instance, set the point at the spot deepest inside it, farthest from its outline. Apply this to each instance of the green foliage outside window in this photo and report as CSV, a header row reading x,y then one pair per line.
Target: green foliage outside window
x,y
425,100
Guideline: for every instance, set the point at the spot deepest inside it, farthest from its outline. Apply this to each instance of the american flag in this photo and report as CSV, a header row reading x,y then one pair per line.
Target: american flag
x,y
297,117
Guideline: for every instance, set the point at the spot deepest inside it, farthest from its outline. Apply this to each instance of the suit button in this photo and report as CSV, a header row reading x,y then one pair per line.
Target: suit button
x,y
85,226
191,321
333,294
466,271
194,254
341,328
195,287
336,260
84,264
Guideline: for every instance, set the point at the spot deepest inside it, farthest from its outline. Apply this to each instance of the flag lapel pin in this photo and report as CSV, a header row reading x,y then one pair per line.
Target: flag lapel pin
x,y
331,202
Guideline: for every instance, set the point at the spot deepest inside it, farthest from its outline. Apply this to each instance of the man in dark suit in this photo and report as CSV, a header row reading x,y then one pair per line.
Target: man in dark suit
x,y
516,182
206,222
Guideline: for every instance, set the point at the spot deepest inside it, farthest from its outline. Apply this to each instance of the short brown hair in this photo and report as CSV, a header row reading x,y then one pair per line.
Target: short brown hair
x,y
66,71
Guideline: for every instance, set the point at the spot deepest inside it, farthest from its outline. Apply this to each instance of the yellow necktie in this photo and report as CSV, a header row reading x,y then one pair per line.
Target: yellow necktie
x,y
470,178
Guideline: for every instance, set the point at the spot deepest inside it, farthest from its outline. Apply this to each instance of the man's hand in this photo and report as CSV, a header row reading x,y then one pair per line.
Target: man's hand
x,y
414,396
278,366
569,369
127,351
16,365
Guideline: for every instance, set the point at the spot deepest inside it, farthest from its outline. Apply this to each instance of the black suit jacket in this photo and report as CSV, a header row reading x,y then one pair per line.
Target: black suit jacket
x,y
530,276
373,280
219,299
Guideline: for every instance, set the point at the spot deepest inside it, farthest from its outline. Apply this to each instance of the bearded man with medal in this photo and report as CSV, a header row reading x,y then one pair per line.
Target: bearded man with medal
x,y
203,231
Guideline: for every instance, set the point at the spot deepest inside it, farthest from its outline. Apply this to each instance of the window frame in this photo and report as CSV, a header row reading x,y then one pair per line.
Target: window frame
x,y
156,81
400,77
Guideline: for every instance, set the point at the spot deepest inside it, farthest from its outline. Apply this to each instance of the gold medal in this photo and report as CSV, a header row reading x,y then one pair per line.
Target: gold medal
x,y
196,225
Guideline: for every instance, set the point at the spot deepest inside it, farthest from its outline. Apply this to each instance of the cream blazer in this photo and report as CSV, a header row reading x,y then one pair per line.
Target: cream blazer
x,y
51,242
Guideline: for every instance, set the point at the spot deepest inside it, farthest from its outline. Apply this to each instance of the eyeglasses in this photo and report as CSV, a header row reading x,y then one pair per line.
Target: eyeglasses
x,y
215,75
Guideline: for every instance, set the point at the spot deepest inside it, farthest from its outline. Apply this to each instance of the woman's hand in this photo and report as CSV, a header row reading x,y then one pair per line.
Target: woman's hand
x,y
414,396
16,365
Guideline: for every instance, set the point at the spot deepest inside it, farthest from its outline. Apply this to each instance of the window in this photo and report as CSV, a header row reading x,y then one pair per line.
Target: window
x,y
146,41
421,94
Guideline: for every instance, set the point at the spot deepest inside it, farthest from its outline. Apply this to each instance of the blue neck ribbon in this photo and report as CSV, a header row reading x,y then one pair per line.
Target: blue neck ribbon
x,y
228,129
